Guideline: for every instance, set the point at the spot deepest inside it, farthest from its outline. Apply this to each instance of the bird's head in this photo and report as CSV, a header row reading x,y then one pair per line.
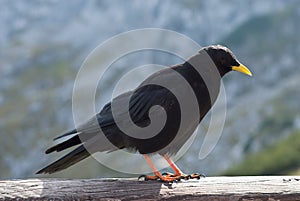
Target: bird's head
x,y
225,60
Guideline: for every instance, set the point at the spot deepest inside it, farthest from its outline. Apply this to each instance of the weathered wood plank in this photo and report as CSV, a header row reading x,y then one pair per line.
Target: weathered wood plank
x,y
210,188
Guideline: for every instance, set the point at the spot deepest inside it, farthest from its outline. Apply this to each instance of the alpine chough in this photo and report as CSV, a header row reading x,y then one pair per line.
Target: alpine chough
x,y
198,77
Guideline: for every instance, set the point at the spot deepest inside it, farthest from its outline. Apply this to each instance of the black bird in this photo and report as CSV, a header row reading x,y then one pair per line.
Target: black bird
x,y
194,85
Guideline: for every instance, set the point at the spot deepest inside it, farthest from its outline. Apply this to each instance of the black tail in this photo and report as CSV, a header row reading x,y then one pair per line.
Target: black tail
x,y
71,158
66,134
64,145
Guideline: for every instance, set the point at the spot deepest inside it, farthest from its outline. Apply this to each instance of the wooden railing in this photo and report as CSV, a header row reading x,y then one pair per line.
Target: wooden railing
x,y
209,188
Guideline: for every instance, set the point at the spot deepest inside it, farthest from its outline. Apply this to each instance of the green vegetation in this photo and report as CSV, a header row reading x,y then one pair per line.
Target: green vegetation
x,y
279,158
277,125
35,103
273,147
273,32
33,95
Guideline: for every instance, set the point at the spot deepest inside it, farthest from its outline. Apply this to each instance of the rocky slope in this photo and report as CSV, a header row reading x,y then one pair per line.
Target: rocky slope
x,y
43,44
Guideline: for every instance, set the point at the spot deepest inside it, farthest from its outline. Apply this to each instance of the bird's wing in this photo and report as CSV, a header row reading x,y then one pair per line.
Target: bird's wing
x,y
136,104
139,103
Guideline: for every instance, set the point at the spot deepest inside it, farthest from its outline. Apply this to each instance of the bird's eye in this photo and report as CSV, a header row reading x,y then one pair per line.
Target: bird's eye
x,y
223,61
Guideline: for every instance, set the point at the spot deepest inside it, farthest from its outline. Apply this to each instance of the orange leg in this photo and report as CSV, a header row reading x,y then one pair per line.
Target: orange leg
x,y
157,175
167,177
173,166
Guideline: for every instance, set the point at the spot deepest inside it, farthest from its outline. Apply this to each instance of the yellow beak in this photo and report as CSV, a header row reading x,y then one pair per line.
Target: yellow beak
x,y
243,69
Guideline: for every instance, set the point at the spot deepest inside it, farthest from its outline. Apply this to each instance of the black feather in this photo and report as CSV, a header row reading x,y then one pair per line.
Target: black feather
x,y
66,161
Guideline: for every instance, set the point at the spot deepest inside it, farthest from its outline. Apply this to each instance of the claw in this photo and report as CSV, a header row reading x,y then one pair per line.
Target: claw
x,y
181,177
141,176
148,177
169,177
185,176
196,176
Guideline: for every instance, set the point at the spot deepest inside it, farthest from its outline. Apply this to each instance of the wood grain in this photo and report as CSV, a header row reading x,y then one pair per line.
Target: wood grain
x,y
209,188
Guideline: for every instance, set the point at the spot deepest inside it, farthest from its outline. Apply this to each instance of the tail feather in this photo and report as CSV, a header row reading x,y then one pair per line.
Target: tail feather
x,y
66,161
74,131
64,145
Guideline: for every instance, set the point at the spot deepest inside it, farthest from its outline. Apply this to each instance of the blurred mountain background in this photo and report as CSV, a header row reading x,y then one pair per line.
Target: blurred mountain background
x,y
43,44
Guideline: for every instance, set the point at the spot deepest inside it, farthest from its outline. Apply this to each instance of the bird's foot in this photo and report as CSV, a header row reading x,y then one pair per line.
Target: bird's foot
x,y
160,178
148,177
184,176
169,177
